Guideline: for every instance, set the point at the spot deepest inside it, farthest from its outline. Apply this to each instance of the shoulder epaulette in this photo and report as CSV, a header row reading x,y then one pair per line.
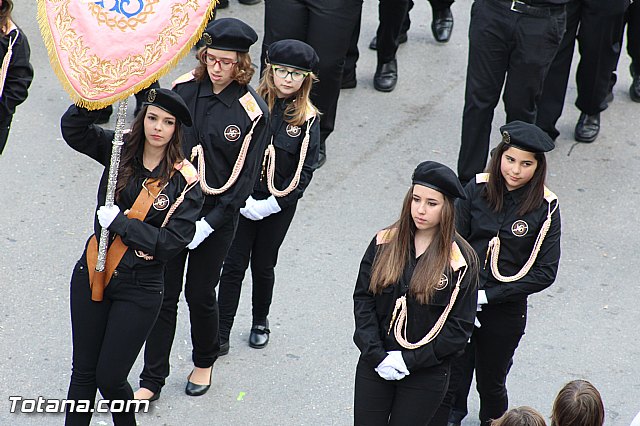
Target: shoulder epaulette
x,y
188,171
250,106
456,259
183,78
549,195
384,236
482,178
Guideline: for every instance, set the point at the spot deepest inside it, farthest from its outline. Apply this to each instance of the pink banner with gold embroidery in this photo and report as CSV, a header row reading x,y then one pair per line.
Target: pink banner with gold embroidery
x,y
104,51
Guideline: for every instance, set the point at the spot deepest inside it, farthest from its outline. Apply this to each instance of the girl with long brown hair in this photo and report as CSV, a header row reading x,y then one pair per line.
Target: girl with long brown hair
x,y
157,203
578,404
287,169
414,305
512,221
16,73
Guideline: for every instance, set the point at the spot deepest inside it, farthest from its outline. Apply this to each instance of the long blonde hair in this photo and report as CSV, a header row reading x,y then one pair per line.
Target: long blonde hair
x,y
296,112
392,257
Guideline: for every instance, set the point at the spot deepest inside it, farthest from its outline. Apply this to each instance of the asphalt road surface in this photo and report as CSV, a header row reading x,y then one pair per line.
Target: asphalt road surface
x,y
584,326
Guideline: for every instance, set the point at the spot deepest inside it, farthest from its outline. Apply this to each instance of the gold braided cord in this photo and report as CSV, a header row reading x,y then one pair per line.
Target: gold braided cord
x,y
198,151
271,167
494,251
100,76
5,62
400,326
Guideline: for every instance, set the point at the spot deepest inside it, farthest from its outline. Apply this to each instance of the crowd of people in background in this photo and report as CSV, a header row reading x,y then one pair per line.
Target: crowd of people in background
x,y
428,316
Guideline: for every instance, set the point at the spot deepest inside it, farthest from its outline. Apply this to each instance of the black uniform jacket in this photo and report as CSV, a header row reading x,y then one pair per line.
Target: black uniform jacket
x,y
373,314
220,124
478,223
147,236
19,74
287,141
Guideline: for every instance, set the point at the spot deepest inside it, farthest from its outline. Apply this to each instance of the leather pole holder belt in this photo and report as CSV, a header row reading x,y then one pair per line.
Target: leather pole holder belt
x,y
98,280
528,9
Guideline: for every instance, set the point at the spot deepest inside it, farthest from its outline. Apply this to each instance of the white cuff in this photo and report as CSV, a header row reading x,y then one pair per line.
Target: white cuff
x,y
482,297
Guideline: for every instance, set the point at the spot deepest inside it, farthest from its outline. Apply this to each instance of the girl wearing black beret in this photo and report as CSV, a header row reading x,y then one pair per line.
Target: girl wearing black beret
x,y
512,221
157,201
414,305
228,138
286,172
16,73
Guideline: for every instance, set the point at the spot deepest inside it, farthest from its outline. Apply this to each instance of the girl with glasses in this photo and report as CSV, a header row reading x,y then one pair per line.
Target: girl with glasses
x,y
227,139
286,172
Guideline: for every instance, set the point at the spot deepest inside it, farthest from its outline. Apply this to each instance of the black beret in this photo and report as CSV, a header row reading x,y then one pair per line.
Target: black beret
x,y
293,53
171,102
528,137
439,177
229,34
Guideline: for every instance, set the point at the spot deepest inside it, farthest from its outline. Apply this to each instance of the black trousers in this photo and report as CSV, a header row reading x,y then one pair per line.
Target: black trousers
x,y
203,273
490,351
598,36
258,242
503,42
393,16
633,36
325,25
108,335
410,401
5,126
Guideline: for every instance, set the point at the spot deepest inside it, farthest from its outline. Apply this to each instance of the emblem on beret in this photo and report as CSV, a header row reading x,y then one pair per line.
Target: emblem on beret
x,y
444,282
506,138
232,133
161,202
151,95
207,39
519,228
293,131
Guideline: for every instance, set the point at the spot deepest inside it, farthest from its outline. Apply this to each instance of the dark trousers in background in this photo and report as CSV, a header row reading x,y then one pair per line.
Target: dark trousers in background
x,y
203,273
598,33
503,42
258,242
412,401
108,335
5,126
633,35
491,351
326,25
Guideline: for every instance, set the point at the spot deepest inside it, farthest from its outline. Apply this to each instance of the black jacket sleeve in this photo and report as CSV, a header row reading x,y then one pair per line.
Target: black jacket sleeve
x,y
456,330
307,168
165,242
367,334
230,202
541,275
19,74
82,135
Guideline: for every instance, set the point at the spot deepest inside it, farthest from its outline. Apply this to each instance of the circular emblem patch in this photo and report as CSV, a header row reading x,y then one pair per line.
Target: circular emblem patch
x,y
519,228
232,133
161,202
293,131
444,282
151,95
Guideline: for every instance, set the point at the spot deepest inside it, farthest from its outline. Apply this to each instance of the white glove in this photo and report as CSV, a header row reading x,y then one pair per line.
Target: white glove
x,y
266,207
107,214
387,368
248,211
397,362
478,307
482,297
203,230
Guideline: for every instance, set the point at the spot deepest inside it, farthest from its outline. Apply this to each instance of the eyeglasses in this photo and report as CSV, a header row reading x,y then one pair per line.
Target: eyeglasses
x,y
283,73
225,64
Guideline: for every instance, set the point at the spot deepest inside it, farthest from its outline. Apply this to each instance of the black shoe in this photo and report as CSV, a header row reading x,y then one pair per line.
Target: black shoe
x,y
386,76
402,38
259,336
223,4
634,90
349,82
224,348
249,2
587,128
322,154
442,25
197,390
155,397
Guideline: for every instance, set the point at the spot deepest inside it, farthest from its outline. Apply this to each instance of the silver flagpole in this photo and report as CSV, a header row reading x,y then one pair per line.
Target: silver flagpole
x,y
113,179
